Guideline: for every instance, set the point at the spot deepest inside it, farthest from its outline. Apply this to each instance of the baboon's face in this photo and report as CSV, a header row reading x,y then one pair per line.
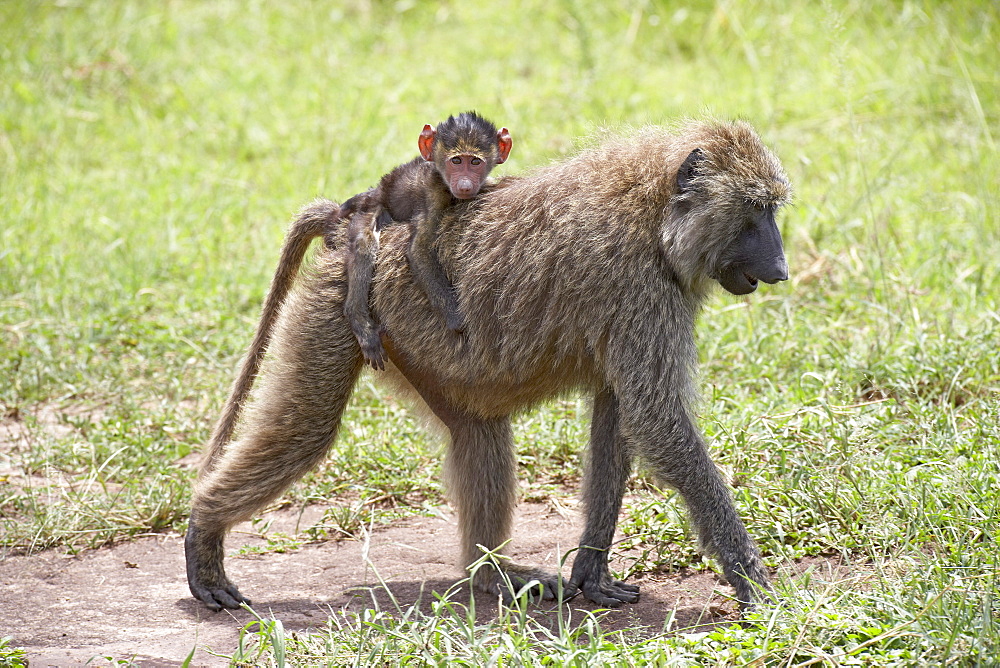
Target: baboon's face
x,y
464,173
755,255
464,150
728,203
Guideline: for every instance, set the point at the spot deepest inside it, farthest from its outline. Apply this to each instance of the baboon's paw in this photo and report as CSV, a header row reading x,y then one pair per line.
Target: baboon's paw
x,y
374,353
753,596
538,584
217,598
750,579
592,577
608,592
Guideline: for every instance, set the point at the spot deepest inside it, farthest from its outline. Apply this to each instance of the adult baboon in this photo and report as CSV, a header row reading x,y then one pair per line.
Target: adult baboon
x,y
583,275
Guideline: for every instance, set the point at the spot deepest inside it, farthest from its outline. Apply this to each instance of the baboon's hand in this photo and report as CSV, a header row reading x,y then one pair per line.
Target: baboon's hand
x,y
752,591
592,577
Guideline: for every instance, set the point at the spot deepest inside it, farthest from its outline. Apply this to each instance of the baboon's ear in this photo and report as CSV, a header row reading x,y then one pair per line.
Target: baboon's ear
x,y
689,169
504,143
425,142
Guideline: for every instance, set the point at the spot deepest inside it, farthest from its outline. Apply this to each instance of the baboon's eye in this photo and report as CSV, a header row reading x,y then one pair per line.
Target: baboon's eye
x,y
456,160
476,161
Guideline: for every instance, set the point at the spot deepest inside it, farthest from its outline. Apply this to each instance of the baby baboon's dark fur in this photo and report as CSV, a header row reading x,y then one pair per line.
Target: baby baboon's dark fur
x,y
455,160
586,275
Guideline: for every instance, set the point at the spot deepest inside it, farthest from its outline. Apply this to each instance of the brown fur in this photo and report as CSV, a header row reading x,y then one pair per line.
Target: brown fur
x,y
585,275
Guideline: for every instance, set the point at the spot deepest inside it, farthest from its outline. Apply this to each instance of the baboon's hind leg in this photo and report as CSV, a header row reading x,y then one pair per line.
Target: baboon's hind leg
x,y
482,472
482,484
289,428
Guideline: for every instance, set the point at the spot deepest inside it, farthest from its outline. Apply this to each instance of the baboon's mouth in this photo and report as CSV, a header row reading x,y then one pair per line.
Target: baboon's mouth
x,y
737,281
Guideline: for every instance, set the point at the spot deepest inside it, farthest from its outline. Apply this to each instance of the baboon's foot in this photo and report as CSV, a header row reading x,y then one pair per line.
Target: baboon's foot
x,y
592,577
515,581
607,592
206,576
217,595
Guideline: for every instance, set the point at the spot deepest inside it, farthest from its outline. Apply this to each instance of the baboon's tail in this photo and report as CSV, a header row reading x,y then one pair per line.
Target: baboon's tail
x,y
313,221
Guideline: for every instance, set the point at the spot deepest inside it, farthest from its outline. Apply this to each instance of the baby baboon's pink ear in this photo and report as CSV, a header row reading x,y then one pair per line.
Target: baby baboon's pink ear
x,y
426,142
504,143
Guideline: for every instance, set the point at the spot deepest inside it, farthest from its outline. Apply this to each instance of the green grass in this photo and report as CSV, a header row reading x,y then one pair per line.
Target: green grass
x,y
151,155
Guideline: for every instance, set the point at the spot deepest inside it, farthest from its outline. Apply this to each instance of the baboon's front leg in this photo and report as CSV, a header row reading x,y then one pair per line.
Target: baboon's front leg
x,y
722,532
607,473
682,461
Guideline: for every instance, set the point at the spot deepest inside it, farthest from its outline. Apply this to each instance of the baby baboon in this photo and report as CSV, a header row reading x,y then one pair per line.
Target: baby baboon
x,y
454,162
585,275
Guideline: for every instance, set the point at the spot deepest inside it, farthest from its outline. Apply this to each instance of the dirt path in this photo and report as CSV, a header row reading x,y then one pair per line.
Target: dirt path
x,y
132,600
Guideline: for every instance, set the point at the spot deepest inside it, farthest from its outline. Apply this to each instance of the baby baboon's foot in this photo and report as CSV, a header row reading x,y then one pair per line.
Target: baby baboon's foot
x,y
371,348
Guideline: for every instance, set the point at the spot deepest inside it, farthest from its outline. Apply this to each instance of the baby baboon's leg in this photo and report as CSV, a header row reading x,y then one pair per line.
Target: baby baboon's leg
x,y
607,473
289,427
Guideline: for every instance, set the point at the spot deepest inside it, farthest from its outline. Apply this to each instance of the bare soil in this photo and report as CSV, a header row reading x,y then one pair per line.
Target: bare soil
x,y
131,601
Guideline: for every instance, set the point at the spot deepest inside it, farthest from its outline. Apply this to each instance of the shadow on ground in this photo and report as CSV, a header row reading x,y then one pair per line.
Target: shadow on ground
x,y
131,600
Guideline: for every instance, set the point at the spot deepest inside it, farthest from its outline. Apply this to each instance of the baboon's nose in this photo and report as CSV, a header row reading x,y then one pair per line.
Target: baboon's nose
x,y
778,271
464,189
